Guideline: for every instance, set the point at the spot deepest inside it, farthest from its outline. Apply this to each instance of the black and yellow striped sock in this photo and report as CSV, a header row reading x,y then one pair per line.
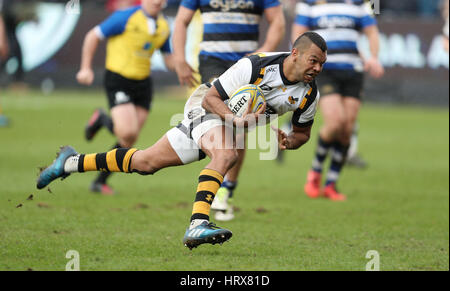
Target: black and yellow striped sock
x,y
209,182
103,176
116,160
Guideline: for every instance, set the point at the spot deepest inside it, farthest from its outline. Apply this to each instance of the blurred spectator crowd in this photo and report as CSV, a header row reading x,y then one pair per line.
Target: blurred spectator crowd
x,y
395,8
425,8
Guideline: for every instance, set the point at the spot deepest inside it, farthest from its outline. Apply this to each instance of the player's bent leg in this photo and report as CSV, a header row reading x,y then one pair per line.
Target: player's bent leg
x,y
220,159
97,120
128,138
201,230
219,145
213,143
69,161
333,112
353,156
164,153
126,128
226,189
126,124
175,149
158,156
351,107
340,150
222,203
142,115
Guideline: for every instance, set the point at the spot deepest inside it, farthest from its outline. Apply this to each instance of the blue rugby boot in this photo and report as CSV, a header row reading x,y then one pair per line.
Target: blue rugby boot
x,y
4,121
56,169
206,232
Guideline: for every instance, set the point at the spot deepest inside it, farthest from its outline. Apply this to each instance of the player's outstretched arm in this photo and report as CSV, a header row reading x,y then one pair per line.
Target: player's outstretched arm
x,y
86,75
184,72
292,141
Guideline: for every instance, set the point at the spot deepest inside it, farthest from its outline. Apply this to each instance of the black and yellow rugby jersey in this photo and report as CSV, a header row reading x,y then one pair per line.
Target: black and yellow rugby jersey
x,y
266,71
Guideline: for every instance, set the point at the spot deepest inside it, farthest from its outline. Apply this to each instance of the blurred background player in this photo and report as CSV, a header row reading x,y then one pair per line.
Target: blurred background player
x,y
132,36
353,157
4,46
4,51
14,12
229,33
114,5
340,24
445,30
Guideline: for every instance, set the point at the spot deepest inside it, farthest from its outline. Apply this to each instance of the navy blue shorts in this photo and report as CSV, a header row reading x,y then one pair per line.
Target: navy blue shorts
x,y
121,90
346,83
211,67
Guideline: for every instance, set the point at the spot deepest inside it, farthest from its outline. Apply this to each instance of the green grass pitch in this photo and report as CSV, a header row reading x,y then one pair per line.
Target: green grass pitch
x,y
399,206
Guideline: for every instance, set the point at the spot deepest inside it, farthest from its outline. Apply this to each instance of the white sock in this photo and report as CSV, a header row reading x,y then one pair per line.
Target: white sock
x,y
196,222
71,164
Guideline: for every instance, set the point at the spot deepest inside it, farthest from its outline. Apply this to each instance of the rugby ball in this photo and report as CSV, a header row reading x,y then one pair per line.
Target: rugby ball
x,y
239,101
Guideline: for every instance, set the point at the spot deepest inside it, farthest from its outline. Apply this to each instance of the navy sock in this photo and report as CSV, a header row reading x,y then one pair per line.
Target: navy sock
x,y
230,186
321,153
337,162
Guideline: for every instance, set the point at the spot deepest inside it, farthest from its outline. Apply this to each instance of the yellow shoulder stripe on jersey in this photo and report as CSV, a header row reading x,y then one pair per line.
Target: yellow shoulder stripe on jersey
x,y
261,55
261,76
302,105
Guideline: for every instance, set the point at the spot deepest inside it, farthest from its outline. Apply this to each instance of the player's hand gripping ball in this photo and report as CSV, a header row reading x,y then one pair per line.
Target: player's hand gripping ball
x,y
247,94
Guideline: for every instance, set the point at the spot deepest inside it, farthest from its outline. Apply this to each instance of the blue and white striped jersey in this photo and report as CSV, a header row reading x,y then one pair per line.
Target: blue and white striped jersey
x,y
230,27
339,22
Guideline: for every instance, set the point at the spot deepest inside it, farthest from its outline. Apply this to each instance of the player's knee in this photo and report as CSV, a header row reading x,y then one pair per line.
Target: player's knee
x,y
337,126
148,167
142,164
143,173
347,135
227,158
348,129
128,138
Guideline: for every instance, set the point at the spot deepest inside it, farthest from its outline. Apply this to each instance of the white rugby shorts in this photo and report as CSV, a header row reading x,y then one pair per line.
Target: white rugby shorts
x,y
185,137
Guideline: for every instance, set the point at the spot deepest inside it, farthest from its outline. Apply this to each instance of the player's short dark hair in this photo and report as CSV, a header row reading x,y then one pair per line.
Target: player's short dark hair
x,y
305,40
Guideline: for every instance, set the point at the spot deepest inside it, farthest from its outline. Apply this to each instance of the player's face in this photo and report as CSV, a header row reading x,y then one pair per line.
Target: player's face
x,y
153,7
310,63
